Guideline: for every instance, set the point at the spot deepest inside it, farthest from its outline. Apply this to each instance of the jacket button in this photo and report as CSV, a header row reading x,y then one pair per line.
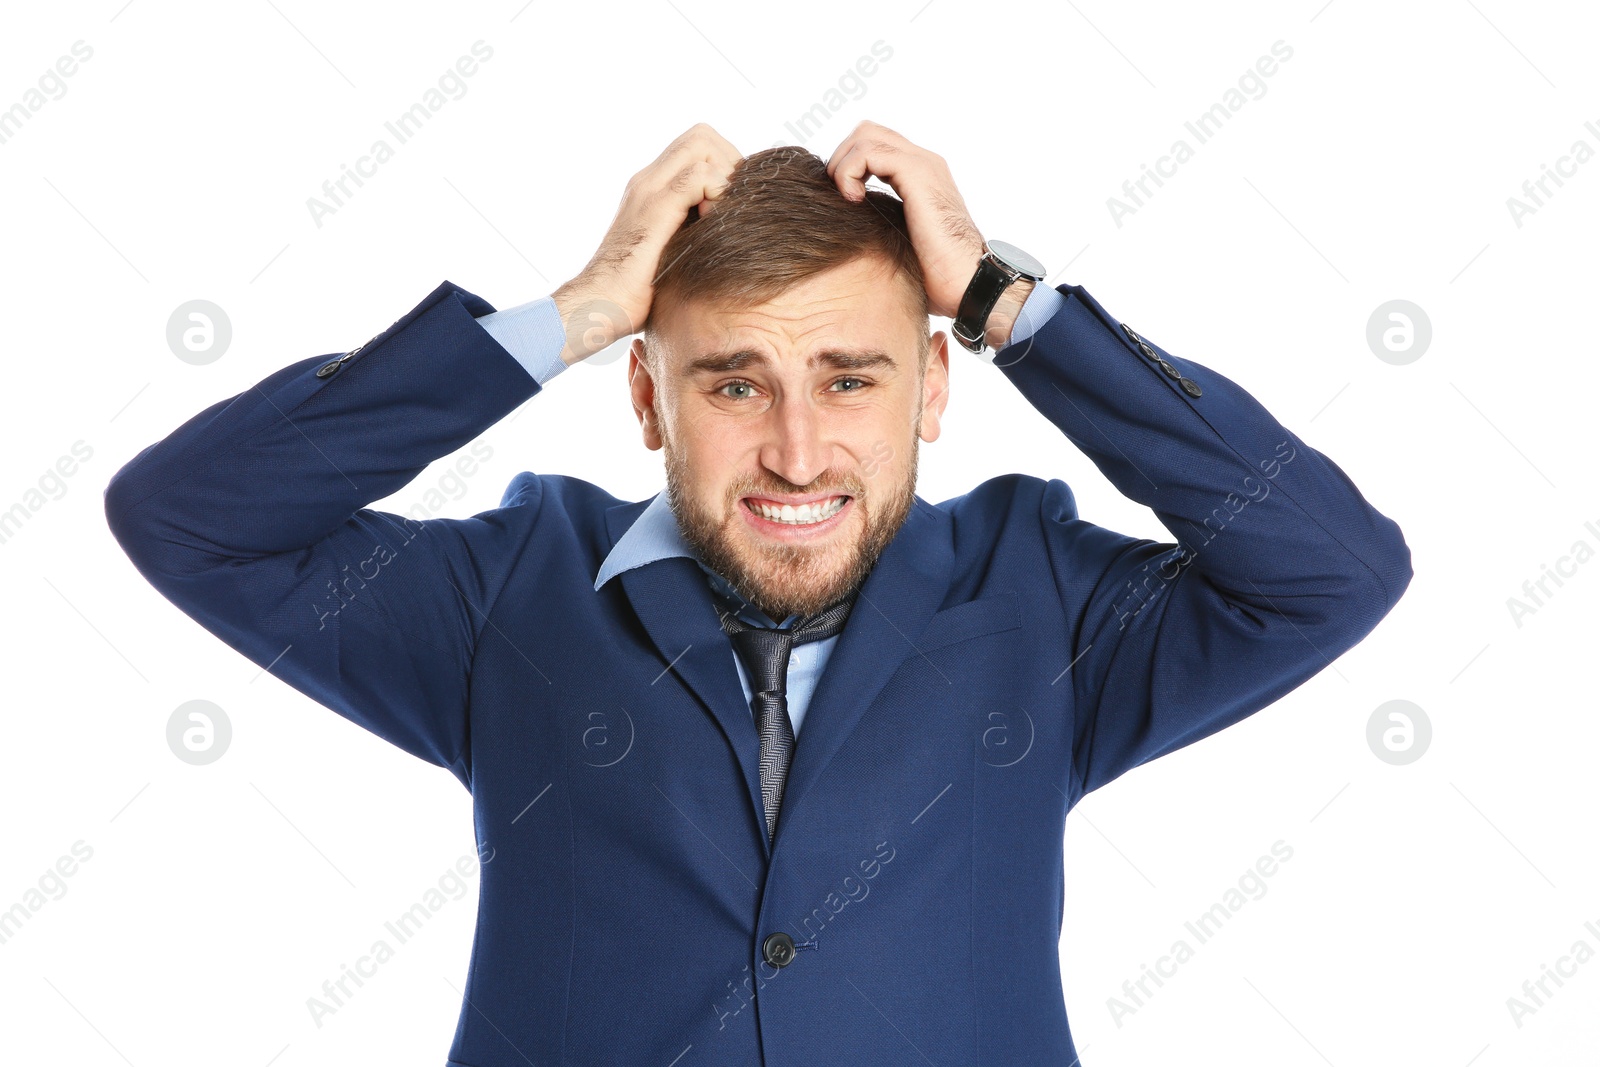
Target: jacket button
x,y
778,949
1149,353
1169,370
1189,386
1130,332
327,369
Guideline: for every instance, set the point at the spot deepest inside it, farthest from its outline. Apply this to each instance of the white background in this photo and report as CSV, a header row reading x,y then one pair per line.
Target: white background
x,y
1376,166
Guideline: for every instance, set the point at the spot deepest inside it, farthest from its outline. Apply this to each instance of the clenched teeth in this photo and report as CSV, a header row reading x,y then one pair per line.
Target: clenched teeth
x,y
803,515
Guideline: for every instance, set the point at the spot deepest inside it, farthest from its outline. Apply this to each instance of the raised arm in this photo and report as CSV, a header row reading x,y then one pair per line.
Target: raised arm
x,y
252,516
1278,564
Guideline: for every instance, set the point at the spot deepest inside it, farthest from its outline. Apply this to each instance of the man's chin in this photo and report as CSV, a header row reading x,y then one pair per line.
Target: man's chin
x,y
801,589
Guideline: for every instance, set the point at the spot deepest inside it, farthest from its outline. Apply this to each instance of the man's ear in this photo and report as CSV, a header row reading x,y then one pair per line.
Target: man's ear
x,y
935,386
642,391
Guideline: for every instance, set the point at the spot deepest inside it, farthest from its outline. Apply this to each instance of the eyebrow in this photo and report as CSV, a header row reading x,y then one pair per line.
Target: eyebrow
x,y
838,359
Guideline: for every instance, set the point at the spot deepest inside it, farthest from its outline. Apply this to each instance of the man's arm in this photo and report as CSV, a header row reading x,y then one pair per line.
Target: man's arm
x,y
1279,565
251,517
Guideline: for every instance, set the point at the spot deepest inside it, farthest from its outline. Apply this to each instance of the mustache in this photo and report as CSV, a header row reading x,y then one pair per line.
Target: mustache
x,y
846,486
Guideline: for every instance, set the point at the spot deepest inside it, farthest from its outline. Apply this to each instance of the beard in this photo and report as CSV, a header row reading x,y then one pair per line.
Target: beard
x,y
779,578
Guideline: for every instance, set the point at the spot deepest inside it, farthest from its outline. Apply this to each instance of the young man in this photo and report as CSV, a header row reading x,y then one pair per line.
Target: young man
x,y
762,861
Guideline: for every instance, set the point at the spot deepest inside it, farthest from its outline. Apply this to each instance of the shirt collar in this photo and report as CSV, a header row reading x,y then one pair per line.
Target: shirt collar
x,y
655,535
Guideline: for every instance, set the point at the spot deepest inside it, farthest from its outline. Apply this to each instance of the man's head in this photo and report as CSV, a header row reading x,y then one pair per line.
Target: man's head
x,y
787,357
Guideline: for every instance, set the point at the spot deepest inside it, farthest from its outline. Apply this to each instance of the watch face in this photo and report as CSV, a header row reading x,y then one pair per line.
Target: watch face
x,y
1017,259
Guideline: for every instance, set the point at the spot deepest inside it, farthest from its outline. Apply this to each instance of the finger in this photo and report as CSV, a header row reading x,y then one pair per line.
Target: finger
x,y
698,142
866,133
723,161
714,188
699,183
846,146
876,158
847,171
695,169
704,144
719,145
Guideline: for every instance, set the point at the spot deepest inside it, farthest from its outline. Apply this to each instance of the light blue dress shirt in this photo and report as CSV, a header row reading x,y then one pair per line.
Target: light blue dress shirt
x,y
533,335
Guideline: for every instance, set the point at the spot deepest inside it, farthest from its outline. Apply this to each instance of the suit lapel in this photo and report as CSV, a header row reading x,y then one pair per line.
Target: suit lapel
x,y
674,603
892,609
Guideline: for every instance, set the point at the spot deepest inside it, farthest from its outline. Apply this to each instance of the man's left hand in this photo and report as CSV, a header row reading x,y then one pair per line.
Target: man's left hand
x,y
947,242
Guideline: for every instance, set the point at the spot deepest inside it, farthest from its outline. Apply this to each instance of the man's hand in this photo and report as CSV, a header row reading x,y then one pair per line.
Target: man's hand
x,y
611,296
946,240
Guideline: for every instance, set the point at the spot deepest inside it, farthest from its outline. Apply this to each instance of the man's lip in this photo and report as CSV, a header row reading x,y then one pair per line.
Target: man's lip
x,y
779,501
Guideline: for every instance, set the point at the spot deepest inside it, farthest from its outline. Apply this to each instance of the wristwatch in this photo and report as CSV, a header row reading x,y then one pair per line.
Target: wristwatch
x,y
1001,266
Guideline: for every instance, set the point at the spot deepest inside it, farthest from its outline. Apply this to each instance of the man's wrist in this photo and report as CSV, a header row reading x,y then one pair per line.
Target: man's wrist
x,y
997,330
589,322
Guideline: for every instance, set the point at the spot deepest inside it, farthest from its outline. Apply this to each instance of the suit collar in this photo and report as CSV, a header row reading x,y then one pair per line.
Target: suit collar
x,y
674,603
654,534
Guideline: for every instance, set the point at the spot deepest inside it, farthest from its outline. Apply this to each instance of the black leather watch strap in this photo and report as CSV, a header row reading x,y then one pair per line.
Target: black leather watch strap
x,y
983,293
998,269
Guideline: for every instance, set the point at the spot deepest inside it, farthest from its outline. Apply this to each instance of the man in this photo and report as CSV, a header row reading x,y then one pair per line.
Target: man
x,y
861,865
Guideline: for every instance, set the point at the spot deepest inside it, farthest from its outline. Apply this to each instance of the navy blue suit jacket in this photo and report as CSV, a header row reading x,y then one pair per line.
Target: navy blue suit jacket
x,y
1004,658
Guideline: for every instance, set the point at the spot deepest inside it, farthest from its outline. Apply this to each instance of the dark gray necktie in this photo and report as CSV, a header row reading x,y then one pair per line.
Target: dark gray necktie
x,y
764,651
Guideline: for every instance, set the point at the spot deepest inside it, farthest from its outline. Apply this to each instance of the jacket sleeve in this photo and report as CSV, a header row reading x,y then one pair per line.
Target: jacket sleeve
x,y
251,518
1279,565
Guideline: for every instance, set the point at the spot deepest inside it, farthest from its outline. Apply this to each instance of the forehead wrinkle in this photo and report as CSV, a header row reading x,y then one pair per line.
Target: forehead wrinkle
x,y
791,318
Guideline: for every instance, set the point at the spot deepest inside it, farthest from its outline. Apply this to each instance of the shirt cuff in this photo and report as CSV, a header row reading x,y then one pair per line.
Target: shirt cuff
x,y
533,335
1042,303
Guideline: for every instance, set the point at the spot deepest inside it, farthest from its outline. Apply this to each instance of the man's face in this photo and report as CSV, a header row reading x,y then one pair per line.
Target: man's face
x,y
810,398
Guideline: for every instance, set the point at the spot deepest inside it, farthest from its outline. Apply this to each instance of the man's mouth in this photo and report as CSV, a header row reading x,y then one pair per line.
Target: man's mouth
x,y
796,514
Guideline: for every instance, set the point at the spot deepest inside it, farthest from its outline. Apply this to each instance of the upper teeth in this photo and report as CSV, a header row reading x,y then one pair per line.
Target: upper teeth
x,y
802,515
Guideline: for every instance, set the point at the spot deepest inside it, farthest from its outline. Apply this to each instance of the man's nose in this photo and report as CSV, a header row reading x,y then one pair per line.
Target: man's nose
x,y
798,445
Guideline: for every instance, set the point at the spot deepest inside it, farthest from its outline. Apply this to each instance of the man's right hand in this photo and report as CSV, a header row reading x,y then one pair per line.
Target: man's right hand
x,y
610,297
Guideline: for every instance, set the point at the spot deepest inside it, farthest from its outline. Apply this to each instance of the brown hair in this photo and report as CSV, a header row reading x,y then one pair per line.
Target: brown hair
x,y
781,220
